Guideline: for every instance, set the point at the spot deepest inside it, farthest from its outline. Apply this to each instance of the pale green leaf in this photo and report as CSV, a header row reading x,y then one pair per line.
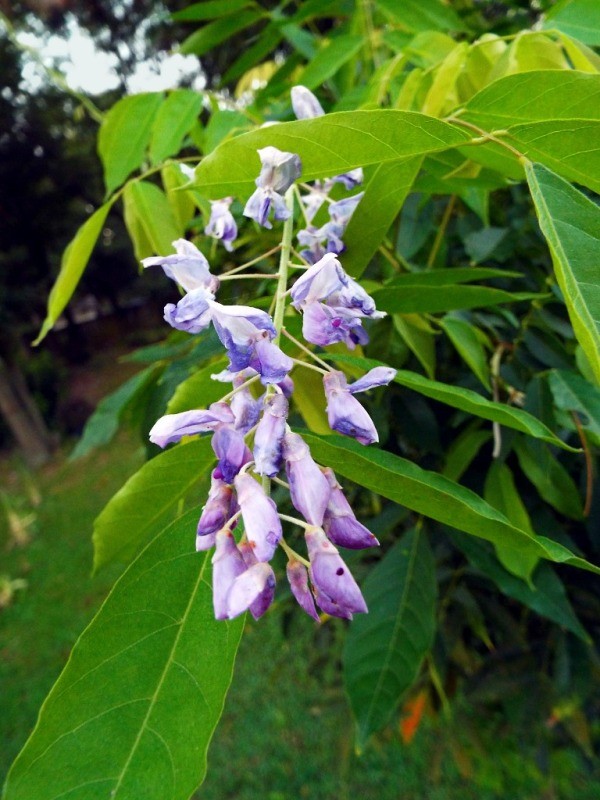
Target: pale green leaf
x,y
578,18
328,145
434,496
124,136
174,119
199,390
135,708
149,500
211,9
181,203
72,265
329,59
571,224
385,648
149,219
442,94
422,15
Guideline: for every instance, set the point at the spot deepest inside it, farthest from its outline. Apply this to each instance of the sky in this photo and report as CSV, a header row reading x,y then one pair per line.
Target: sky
x,y
91,71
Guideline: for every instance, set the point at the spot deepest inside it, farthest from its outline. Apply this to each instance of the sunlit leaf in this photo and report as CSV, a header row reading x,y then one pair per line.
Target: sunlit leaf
x,y
328,60
578,18
174,119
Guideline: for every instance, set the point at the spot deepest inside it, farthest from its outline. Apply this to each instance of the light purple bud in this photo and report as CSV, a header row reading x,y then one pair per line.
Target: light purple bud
x,y
245,408
341,211
279,169
221,224
324,325
297,575
269,360
254,589
287,386
350,179
239,328
192,313
305,104
261,522
231,450
189,268
340,524
345,413
172,427
220,506
258,207
378,376
268,439
227,565
337,592
309,488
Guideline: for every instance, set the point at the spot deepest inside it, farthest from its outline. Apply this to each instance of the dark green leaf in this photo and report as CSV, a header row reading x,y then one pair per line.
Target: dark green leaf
x,y
385,648
211,9
328,60
549,477
463,450
414,297
571,392
135,708
450,276
267,41
124,135
149,500
432,495
464,337
209,36
174,119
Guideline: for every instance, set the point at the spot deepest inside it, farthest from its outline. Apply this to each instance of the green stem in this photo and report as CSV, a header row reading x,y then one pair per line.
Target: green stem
x,y
284,259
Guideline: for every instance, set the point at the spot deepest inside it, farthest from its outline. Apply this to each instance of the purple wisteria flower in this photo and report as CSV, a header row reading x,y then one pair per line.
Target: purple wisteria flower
x,y
336,591
192,313
278,172
227,565
252,590
344,413
297,575
259,512
222,225
268,439
220,506
172,427
340,524
188,267
328,238
232,451
309,488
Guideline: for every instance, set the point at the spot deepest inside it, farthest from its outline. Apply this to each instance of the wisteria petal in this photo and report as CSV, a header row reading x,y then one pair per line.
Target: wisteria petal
x,y
331,577
222,225
228,564
325,325
258,207
220,506
172,427
350,179
319,281
378,376
192,313
309,488
278,169
305,104
189,268
297,575
261,521
270,361
231,450
344,413
268,439
253,589
340,524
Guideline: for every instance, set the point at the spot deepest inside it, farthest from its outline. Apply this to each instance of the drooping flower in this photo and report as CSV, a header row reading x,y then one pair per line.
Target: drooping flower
x,y
378,376
268,439
261,521
328,238
340,523
297,575
309,488
192,313
220,506
344,413
171,427
227,565
222,225
231,450
252,590
188,267
336,591
278,171
246,409
325,325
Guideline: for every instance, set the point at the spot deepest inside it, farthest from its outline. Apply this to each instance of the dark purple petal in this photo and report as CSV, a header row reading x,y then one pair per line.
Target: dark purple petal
x,y
378,376
261,522
297,575
305,104
231,450
309,488
345,413
254,589
192,313
340,523
268,439
331,577
227,565
172,427
324,325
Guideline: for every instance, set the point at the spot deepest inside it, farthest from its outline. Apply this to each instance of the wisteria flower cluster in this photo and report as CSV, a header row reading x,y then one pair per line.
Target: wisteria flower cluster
x,y
251,437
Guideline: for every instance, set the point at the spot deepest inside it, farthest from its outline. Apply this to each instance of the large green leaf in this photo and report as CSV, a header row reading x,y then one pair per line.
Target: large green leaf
x,y
414,296
174,119
73,263
560,129
549,477
149,219
578,18
466,400
328,145
384,648
124,135
384,196
135,708
104,422
209,36
328,60
199,390
546,595
433,495
571,224
422,15
571,392
464,337
211,9
149,500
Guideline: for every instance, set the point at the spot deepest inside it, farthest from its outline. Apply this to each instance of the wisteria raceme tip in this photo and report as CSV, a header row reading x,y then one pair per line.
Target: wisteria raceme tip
x,y
222,225
337,593
340,523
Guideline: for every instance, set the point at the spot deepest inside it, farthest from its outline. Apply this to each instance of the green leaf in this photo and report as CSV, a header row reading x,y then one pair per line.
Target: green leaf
x,y
550,478
571,224
149,500
174,119
210,9
578,18
199,390
72,265
385,648
124,135
571,392
309,398
546,595
135,708
500,491
104,422
414,296
463,450
384,196
181,203
149,219
209,36
464,337
561,129
418,339
222,125
267,42
442,95
450,276
328,145
328,60
422,15
466,400
432,495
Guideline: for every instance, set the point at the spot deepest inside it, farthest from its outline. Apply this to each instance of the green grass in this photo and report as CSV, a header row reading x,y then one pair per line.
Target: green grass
x,y
287,732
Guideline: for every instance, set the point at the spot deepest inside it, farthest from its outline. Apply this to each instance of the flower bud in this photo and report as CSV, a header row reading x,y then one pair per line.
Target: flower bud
x,y
268,440
345,413
309,488
220,506
261,521
297,575
337,593
231,450
227,565
340,523
253,589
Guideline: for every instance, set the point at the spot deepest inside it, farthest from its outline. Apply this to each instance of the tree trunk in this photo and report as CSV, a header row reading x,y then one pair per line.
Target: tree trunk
x,y
23,418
